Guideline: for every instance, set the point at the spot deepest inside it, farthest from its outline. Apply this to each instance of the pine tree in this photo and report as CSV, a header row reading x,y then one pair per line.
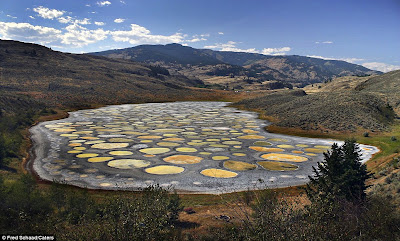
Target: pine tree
x,y
340,176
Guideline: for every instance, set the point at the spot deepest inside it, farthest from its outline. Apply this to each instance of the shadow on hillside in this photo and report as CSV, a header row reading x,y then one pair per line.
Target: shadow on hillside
x,y
8,169
186,225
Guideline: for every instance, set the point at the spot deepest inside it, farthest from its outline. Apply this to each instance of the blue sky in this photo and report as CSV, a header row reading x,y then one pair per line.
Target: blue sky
x,y
365,32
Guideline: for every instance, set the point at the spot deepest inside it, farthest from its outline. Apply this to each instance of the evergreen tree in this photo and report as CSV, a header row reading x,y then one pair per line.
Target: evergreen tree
x,y
340,176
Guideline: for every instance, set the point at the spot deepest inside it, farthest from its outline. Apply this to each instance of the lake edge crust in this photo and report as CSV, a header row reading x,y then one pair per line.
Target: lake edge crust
x,y
46,147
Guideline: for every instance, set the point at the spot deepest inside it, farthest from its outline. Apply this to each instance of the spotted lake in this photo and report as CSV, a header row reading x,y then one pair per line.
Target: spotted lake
x,y
200,147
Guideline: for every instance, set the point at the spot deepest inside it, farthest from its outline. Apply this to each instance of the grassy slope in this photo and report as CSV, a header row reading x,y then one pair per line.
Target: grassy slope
x,y
338,84
387,86
326,112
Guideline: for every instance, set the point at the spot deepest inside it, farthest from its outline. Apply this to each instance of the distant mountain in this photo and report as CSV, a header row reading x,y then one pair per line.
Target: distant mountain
x,y
170,53
295,69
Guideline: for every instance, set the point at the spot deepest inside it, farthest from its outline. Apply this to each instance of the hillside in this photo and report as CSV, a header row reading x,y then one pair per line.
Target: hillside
x,y
387,86
36,73
344,83
336,111
348,103
205,64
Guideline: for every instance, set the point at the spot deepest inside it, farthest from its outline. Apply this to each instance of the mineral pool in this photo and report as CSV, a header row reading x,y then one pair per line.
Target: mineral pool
x,y
192,147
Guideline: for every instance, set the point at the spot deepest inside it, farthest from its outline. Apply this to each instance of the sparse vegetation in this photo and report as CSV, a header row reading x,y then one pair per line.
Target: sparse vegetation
x,y
71,214
322,111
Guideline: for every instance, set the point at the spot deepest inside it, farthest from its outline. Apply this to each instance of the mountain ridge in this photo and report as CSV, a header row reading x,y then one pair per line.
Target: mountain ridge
x,y
295,69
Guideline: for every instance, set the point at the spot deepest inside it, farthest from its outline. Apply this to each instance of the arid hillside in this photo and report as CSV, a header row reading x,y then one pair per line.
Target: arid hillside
x,y
386,86
35,73
345,104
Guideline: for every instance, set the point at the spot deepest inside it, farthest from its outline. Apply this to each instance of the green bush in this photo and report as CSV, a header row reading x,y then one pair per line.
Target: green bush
x,y
340,176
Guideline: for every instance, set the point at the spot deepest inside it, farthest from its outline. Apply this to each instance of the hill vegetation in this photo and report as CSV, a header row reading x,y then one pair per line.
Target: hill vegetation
x,y
336,111
386,86
344,83
62,79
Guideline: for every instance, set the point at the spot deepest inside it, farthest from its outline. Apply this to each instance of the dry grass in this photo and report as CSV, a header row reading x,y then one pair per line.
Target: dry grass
x,y
345,83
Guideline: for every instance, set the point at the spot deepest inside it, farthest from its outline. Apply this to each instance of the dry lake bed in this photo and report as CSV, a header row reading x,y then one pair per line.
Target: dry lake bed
x,y
192,147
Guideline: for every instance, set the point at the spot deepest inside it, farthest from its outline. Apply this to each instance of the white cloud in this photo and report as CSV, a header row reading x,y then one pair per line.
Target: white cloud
x,y
32,17
73,36
196,40
350,60
87,5
79,36
28,32
84,21
119,20
122,1
370,65
104,3
10,16
381,66
220,33
275,51
48,13
68,19
141,35
321,57
324,42
230,46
